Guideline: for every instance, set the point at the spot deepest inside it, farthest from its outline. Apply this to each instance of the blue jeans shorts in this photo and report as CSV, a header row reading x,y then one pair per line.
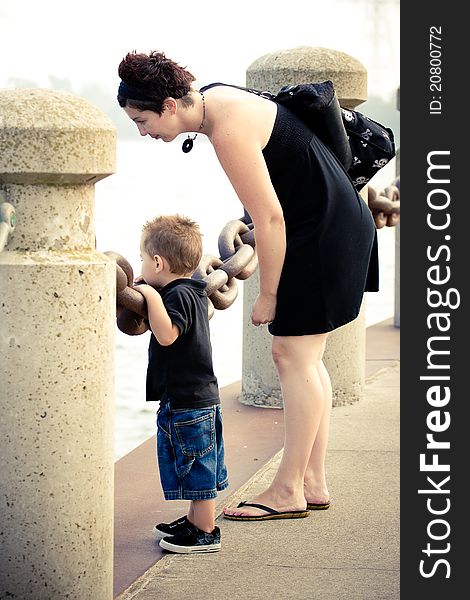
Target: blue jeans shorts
x,y
191,452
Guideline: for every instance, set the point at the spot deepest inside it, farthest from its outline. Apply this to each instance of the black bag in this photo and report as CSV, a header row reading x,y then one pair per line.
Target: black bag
x,y
362,145
372,146
318,107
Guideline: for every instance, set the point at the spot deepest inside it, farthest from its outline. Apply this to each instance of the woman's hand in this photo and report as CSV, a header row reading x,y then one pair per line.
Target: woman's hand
x,y
264,309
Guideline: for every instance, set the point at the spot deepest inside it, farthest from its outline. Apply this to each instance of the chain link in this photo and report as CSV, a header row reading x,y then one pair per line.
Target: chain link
x,y
7,223
385,205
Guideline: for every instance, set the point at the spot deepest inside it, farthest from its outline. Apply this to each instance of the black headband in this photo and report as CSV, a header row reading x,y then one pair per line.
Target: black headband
x,y
132,93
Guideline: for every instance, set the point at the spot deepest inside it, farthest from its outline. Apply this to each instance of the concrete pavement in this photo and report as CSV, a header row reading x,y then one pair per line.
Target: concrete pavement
x,y
350,551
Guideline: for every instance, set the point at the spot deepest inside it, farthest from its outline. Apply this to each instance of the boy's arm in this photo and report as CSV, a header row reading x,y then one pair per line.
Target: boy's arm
x,y
160,323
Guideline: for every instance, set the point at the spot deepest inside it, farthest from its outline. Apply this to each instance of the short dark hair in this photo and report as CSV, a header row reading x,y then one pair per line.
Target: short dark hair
x,y
177,239
156,74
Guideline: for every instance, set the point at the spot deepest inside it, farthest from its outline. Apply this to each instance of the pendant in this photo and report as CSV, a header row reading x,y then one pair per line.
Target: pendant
x,y
188,144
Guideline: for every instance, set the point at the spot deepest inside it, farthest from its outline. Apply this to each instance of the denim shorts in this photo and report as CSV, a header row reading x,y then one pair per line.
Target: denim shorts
x,y
191,452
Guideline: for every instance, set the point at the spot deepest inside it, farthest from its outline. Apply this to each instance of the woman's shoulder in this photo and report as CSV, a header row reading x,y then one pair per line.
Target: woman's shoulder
x,y
240,115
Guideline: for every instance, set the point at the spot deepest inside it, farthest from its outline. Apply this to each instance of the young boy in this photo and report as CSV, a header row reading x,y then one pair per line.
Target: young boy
x,y
180,374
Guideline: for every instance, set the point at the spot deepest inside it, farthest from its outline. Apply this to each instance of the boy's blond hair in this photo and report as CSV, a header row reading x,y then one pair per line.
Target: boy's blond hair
x,y
177,239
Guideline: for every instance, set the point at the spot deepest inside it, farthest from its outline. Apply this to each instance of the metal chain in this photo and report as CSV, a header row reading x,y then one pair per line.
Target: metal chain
x,y
7,223
237,261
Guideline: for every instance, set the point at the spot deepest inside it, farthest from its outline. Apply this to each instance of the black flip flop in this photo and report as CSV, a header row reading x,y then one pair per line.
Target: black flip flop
x,y
272,514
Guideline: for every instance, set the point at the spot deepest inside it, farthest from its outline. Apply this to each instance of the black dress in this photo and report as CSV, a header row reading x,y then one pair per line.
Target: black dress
x,y
331,256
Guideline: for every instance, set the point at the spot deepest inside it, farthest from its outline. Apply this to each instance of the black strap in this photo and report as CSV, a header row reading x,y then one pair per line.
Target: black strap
x,y
238,87
260,506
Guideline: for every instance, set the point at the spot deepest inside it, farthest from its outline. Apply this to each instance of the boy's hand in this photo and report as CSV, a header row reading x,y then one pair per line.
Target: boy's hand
x,y
159,320
144,288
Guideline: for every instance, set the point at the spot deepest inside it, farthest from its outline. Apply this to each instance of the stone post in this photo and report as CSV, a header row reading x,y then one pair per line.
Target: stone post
x,y
57,323
345,354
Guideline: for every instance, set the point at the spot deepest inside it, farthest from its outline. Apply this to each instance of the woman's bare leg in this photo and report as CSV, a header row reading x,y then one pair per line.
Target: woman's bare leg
x,y
296,359
315,487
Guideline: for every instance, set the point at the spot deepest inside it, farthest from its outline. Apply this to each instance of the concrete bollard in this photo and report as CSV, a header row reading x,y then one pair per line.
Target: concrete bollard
x,y
345,354
57,324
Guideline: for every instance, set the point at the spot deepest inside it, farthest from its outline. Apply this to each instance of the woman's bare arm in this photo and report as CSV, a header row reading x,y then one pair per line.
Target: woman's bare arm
x,y
240,155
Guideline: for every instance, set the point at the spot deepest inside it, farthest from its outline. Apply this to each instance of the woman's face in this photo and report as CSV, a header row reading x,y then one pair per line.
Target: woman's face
x,y
159,127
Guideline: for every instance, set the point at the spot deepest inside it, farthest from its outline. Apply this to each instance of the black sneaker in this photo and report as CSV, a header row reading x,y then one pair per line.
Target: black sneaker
x,y
192,541
163,529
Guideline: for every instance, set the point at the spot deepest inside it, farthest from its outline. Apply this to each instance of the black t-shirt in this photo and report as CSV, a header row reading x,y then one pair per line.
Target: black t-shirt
x,y
182,372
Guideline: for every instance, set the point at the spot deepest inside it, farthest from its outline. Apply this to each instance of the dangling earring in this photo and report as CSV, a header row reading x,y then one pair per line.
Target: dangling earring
x,y
189,142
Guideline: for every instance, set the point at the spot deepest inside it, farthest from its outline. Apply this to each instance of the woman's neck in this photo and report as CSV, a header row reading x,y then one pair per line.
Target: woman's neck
x,y
198,120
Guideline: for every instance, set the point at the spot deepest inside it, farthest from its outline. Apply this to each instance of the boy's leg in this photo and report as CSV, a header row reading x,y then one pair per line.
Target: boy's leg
x,y
201,535
191,512
202,514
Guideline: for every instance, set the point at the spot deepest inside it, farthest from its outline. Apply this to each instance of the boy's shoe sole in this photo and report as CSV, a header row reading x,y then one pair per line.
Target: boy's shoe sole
x,y
164,543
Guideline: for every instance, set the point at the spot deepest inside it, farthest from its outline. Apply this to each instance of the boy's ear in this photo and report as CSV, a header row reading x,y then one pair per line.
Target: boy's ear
x,y
158,262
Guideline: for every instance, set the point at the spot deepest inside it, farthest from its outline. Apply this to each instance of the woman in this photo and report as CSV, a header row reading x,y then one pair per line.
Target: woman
x,y
312,230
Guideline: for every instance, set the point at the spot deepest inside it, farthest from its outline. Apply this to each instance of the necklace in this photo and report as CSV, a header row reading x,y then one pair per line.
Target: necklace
x,y
188,143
